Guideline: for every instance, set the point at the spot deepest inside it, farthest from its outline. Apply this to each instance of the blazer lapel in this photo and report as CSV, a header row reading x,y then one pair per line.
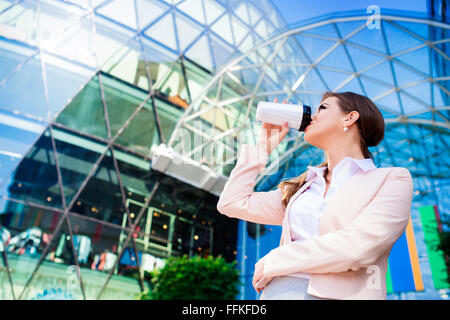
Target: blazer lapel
x,y
351,197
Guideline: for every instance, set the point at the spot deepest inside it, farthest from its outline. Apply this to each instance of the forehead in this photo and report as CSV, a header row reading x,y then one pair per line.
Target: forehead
x,y
330,101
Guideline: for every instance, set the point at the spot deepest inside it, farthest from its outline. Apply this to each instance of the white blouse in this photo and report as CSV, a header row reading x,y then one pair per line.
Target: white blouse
x,y
305,212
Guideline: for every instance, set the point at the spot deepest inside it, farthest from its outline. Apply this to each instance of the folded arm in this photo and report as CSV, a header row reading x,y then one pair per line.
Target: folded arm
x,y
371,234
238,200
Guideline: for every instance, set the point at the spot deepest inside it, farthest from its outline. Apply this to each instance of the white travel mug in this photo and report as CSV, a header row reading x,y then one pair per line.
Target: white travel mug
x,y
297,116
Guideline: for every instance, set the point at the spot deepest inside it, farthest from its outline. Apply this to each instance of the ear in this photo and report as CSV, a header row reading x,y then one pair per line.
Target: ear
x,y
351,118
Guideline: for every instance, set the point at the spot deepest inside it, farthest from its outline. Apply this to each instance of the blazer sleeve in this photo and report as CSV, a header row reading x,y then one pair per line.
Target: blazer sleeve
x,y
238,200
359,245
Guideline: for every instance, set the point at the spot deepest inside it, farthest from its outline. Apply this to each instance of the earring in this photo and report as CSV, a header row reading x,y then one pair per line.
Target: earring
x,y
345,129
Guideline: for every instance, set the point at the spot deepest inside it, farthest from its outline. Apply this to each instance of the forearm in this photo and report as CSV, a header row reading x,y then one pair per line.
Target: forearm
x,y
238,200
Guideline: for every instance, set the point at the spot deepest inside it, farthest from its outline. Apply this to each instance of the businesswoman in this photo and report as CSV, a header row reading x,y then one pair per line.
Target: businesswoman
x,y
339,219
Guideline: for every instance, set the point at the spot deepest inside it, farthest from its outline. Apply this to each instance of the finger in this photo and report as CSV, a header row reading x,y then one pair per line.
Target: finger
x,y
284,131
267,125
283,134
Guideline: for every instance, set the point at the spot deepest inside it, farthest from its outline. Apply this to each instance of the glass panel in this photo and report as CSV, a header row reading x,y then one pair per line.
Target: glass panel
x,y
405,75
240,30
12,97
120,10
17,134
174,87
261,28
164,32
337,59
381,72
187,31
85,111
194,9
136,176
141,134
352,86
35,179
333,79
223,28
67,34
242,12
109,47
373,88
148,11
390,102
399,40
213,10
13,55
221,51
254,14
101,198
361,58
77,156
60,72
21,20
121,101
201,53
127,66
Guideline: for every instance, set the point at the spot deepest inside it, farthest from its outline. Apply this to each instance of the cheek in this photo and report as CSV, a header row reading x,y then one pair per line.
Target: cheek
x,y
321,131
328,125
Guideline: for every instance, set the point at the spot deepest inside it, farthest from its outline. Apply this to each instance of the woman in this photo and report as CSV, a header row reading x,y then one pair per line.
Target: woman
x,y
339,219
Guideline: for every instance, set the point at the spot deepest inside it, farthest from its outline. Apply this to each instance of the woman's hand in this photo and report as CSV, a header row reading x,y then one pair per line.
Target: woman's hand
x,y
258,274
259,281
271,134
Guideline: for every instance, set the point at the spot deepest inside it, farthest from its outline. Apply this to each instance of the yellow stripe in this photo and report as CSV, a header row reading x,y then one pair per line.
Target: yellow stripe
x,y
413,256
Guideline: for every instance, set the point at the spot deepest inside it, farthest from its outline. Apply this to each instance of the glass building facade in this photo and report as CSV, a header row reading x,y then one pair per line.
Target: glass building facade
x,y
98,99
87,88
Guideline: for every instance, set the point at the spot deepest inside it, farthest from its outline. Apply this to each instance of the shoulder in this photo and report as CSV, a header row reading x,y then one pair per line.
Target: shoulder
x,y
394,173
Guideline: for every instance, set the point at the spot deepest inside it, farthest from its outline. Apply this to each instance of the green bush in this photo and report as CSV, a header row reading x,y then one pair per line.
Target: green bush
x,y
194,278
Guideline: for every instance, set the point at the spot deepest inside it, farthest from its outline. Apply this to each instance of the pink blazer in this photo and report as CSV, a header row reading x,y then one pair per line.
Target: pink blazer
x,y
359,225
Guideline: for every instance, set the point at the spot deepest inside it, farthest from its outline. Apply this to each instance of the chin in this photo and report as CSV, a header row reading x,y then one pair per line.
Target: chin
x,y
307,137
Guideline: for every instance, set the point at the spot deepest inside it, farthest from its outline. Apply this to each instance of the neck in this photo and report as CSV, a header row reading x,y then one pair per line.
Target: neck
x,y
334,156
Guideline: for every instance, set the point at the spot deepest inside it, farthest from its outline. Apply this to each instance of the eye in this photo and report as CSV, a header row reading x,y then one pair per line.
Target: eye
x,y
322,107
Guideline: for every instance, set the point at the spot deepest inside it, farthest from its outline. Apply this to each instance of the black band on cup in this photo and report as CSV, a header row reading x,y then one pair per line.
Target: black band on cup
x,y
306,118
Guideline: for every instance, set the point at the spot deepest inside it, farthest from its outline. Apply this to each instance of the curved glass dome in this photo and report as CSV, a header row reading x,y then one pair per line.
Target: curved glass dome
x,y
399,61
169,49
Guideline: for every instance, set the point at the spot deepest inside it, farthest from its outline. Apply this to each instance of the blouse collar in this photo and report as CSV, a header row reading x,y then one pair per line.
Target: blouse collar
x,y
363,164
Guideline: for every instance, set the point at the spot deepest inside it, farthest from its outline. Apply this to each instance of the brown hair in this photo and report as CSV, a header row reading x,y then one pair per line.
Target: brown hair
x,y
371,131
